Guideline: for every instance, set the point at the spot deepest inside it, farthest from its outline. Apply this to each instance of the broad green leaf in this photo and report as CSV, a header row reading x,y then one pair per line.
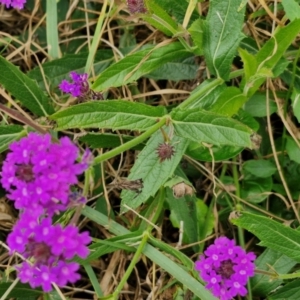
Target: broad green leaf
x,y
208,127
22,291
270,261
256,106
250,63
214,153
222,35
151,170
255,189
260,168
176,70
114,114
276,46
24,89
108,140
272,234
290,291
229,102
246,119
57,70
160,19
292,9
296,103
154,255
8,134
196,32
293,150
138,64
205,220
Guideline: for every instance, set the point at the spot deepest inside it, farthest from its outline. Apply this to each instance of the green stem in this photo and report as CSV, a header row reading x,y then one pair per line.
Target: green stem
x,y
188,13
189,102
130,268
51,29
96,38
131,143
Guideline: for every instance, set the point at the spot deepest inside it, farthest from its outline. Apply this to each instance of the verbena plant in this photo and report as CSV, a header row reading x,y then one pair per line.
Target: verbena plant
x,y
204,96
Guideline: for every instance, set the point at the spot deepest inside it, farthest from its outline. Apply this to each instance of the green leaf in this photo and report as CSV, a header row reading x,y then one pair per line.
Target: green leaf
x,y
153,172
275,47
250,63
138,64
290,291
154,255
219,153
205,220
196,32
256,105
270,261
113,114
56,70
222,35
108,140
22,291
272,234
182,69
260,168
229,102
24,89
9,134
292,9
293,150
208,127
296,103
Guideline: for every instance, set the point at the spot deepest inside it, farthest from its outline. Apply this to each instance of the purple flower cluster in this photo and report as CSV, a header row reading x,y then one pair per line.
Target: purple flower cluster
x,y
79,87
226,268
14,3
38,175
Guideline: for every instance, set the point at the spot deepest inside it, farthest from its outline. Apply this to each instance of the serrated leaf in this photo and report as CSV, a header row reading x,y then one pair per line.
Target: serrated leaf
x,y
57,70
222,35
208,127
260,168
256,106
8,134
270,261
196,32
24,89
114,114
272,234
138,64
290,291
229,102
291,8
153,172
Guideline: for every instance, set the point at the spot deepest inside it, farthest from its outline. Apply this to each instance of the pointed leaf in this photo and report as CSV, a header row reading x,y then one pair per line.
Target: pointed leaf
x,y
138,64
24,89
153,172
114,114
9,134
204,126
222,35
272,234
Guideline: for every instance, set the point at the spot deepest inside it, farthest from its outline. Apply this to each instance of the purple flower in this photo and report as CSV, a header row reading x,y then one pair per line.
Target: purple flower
x,y
136,6
226,268
38,173
49,247
79,87
14,3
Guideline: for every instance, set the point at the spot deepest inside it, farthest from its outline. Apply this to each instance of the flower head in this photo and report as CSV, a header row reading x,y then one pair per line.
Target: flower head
x,y
226,268
13,3
38,173
136,6
49,247
165,151
79,87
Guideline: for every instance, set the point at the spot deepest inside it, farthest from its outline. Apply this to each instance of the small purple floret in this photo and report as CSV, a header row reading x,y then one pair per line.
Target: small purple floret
x,y
226,268
38,173
13,3
78,88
